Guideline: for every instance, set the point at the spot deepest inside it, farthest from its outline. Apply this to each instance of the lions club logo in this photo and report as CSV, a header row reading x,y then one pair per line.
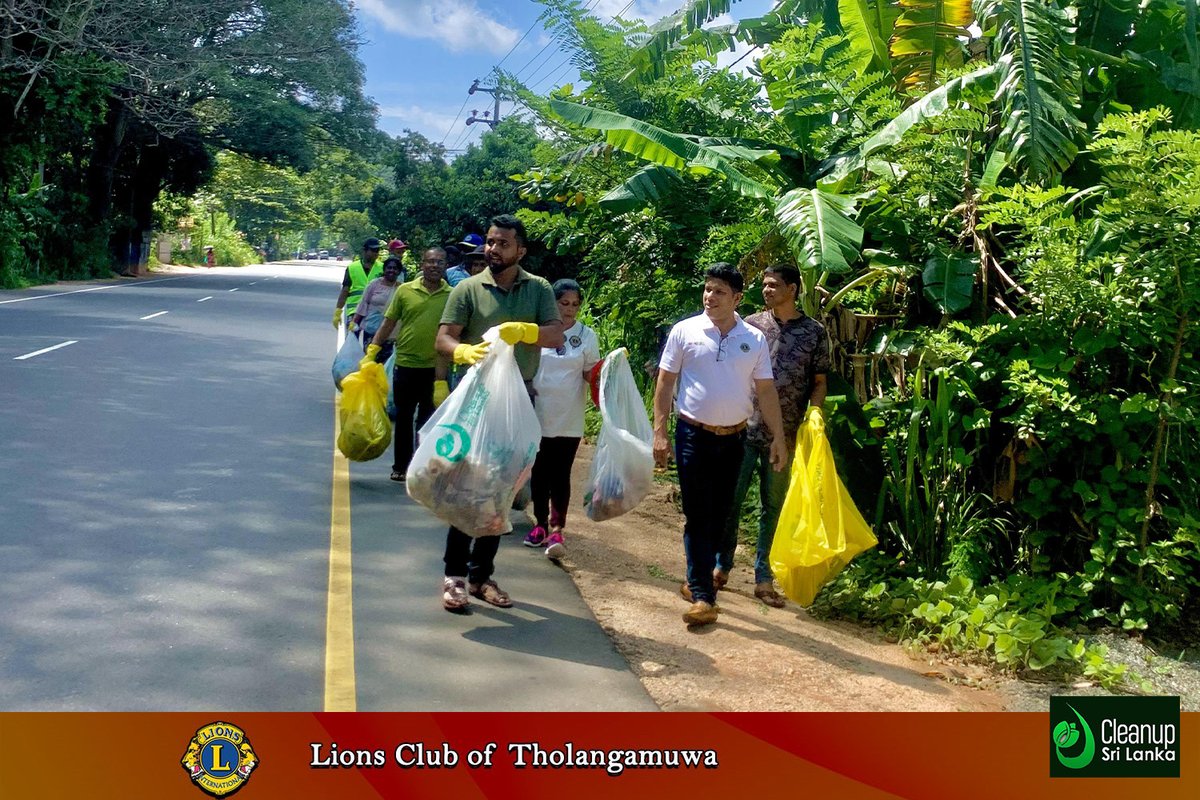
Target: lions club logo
x,y
219,758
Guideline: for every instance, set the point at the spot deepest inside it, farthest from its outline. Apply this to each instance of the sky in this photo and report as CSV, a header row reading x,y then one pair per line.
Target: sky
x,y
421,56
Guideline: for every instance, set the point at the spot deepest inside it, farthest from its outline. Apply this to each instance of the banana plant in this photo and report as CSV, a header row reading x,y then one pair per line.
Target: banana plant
x,y
927,38
818,223
1038,86
683,153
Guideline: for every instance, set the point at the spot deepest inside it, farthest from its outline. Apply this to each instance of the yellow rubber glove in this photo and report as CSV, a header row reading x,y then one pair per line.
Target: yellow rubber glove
x,y
349,326
441,390
471,354
369,358
513,332
337,318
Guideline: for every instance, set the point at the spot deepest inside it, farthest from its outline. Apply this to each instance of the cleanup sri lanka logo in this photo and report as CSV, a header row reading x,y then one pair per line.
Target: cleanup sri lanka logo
x,y
219,759
1066,735
1114,737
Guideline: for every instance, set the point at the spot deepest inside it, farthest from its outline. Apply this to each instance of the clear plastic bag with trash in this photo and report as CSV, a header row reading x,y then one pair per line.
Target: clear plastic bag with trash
x,y
346,360
479,446
622,472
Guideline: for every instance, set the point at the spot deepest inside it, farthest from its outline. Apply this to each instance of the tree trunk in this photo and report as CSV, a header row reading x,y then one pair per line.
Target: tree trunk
x,y
110,142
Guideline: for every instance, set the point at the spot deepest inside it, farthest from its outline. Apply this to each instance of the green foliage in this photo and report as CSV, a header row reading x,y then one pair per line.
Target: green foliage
x,y
1020,624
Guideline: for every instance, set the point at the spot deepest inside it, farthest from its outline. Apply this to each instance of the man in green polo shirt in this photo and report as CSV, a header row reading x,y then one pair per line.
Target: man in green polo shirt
x,y
361,271
523,306
419,376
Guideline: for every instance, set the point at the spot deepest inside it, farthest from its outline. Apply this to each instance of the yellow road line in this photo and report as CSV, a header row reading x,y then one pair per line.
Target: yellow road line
x,y
340,691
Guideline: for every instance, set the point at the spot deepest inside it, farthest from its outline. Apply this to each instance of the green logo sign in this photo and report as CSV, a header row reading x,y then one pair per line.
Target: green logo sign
x,y
454,445
1066,735
1114,737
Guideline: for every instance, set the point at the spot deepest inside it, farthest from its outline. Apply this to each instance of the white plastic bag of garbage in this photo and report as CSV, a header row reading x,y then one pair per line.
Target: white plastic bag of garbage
x,y
622,472
478,447
390,369
347,359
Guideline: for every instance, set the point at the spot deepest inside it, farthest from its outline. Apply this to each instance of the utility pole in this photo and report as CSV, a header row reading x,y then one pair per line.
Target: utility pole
x,y
495,117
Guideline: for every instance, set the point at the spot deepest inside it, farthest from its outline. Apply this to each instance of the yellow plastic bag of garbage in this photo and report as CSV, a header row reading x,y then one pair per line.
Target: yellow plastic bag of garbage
x,y
819,529
366,432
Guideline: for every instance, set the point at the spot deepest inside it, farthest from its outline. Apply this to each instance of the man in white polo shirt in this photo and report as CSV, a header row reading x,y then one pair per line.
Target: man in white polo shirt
x,y
719,364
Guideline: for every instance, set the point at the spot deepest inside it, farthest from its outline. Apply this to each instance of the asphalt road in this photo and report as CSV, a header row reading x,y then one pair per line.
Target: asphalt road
x,y
166,485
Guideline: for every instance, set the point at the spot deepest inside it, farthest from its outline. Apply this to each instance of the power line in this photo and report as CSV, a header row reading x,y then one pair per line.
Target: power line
x,y
532,84
514,47
456,116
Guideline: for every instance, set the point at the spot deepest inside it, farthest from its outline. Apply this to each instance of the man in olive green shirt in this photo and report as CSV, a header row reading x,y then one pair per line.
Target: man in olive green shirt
x,y
523,306
419,375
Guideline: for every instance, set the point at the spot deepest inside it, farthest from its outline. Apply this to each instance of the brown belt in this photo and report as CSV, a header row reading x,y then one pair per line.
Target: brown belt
x,y
719,430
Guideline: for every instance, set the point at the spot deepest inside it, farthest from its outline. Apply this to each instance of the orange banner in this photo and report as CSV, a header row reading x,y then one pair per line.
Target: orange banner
x,y
349,756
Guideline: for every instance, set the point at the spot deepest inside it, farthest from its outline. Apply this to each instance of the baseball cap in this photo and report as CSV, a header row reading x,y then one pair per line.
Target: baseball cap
x,y
478,251
472,240
371,244
396,244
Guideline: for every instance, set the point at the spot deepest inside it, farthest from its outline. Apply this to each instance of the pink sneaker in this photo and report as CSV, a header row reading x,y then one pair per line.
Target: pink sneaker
x,y
536,537
555,549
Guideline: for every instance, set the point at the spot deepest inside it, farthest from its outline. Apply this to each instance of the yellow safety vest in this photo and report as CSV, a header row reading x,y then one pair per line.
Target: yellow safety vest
x,y
358,282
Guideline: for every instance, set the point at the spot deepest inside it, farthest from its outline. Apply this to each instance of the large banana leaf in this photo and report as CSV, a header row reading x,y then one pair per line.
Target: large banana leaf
x,y
649,184
950,281
949,94
868,24
819,227
658,146
927,38
1038,84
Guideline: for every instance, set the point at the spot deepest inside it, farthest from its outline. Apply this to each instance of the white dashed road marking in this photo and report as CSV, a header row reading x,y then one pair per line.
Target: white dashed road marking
x,y
152,316
45,350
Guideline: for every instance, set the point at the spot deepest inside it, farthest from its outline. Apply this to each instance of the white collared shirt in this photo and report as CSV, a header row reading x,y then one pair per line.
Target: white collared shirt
x,y
561,390
716,373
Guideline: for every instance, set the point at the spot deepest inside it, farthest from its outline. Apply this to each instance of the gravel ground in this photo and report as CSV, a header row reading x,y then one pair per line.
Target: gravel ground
x,y
1167,676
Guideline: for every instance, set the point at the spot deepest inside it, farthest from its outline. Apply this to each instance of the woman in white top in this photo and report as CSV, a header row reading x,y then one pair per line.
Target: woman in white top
x,y
561,384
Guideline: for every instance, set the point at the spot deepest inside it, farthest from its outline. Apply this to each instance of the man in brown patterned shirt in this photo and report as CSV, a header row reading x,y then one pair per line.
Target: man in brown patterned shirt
x,y
799,358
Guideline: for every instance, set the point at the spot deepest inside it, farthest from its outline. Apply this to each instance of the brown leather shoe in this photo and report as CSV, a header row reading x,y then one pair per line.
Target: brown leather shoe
x,y
700,613
685,592
766,592
720,578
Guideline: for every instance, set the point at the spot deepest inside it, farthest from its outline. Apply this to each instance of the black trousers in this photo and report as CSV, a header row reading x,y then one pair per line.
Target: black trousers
x,y
551,481
412,388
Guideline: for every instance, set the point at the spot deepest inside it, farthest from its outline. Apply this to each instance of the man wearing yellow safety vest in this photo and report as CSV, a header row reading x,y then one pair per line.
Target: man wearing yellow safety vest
x,y
361,271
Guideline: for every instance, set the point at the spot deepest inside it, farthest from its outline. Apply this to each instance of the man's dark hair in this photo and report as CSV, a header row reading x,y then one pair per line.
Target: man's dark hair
x,y
510,223
564,285
789,274
728,273
393,260
453,255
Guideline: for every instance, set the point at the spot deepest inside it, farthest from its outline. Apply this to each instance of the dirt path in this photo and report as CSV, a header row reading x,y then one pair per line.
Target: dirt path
x,y
756,658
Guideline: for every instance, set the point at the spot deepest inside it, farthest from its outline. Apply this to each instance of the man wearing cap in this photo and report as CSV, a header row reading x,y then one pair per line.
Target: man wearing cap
x,y
361,271
524,308
473,263
720,365
471,245
399,250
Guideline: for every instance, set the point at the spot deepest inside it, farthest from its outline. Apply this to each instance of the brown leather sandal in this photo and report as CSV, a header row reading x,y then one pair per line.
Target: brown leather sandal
x,y
489,592
766,593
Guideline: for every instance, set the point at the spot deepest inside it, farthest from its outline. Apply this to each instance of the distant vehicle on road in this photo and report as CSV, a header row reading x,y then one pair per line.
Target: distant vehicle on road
x,y
324,255
311,255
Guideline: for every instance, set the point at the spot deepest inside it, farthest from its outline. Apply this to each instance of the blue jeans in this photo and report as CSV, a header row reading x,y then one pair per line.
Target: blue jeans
x,y
708,470
772,489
